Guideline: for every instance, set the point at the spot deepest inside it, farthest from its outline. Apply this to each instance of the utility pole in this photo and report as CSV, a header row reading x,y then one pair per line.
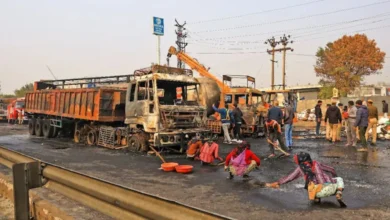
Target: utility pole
x,y
181,41
285,41
272,42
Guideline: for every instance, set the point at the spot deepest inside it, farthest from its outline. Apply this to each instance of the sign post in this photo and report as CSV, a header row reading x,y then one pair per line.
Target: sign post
x,y
158,30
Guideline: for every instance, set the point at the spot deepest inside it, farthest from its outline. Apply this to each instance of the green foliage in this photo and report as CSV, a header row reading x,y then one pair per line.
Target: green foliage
x,y
326,92
23,90
7,96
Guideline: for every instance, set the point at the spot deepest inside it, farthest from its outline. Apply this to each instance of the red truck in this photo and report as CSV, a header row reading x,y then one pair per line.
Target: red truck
x,y
15,107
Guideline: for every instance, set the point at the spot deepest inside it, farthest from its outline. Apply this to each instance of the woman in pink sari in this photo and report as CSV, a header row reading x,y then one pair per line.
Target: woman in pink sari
x,y
241,161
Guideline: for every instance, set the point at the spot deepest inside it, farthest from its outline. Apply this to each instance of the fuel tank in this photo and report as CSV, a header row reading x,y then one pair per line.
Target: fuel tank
x,y
209,93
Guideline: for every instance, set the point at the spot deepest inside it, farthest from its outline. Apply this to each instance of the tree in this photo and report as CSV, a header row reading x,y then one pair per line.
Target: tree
x,y
7,96
24,89
345,62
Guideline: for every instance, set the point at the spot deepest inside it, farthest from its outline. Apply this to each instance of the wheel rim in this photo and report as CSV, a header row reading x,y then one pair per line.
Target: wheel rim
x,y
91,138
133,145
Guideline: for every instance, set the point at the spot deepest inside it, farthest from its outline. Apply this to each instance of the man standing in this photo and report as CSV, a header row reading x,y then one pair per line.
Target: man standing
x,y
237,114
274,134
328,131
275,113
334,115
318,113
288,122
362,123
226,117
340,125
372,121
351,129
385,108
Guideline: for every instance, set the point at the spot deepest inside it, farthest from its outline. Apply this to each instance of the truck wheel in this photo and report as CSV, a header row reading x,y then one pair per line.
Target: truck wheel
x,y
55,131
77,136
91,138
38,127
31,126
137,142
47,129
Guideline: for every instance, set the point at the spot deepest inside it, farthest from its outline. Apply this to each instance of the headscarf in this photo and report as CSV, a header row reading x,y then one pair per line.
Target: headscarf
x,y
243,146
306,164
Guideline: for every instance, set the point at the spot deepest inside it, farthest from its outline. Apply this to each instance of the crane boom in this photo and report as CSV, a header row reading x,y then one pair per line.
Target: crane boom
x,y
195,65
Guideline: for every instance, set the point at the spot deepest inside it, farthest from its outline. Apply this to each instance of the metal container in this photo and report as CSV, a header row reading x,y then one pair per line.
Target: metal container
x,y
94,104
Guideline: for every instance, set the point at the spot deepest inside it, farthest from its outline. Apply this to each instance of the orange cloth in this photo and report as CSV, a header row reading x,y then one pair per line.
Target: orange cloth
x,y
209,153
345,115
193,147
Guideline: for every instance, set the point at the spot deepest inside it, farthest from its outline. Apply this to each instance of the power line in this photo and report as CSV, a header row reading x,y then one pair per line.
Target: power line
x,y
369,29
219,39
255,13
256,52
371,22
293,19
309,32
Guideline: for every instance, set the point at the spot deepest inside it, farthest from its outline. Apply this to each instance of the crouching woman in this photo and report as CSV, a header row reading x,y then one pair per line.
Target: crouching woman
x,y
317,182
241,161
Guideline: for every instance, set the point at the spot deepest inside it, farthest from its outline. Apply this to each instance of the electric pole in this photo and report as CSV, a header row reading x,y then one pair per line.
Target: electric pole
x,y
181,41
272,42
285,41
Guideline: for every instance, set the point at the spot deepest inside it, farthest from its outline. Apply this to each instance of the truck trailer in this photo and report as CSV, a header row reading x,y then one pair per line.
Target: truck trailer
x,y
156,106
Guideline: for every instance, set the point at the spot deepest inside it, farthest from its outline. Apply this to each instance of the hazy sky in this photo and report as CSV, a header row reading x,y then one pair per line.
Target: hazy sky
x,y
96,37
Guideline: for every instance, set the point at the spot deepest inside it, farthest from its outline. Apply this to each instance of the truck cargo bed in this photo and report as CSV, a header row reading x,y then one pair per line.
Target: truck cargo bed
x,y
94,104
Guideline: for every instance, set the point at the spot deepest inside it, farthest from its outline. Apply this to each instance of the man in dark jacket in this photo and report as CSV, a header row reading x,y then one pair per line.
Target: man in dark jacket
x,y
362,123
275,113
334,115
385,108
318,113
237,114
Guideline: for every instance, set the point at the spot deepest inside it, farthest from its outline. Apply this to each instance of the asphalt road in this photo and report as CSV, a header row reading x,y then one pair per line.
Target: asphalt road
x,y
366,176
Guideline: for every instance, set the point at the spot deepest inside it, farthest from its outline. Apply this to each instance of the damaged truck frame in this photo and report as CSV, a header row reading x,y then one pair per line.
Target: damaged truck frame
x,y
156,106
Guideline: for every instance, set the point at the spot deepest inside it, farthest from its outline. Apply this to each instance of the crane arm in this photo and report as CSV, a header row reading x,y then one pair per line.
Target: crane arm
x,y
195,65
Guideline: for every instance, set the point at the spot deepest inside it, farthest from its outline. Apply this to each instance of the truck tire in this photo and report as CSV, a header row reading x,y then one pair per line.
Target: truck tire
x,y
91,138
38,127
31,126
137,142
55,131
47,129
77,136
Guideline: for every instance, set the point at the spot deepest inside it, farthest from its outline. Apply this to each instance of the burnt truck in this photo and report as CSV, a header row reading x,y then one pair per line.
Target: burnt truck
x,y
156,106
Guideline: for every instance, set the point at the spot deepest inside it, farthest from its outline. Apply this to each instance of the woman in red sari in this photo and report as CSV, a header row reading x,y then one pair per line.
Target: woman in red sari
x,y
241,161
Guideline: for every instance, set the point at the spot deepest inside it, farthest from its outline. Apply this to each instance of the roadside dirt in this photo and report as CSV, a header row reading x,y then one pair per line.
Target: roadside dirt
x,y
6,209
11,129
366,177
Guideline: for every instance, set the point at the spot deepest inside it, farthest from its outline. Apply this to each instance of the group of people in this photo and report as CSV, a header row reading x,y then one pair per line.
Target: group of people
x,y
240,162
233,119
320,180
358,118
276,119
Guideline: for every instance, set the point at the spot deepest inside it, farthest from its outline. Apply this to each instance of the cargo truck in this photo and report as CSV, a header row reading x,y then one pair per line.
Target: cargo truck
x,y
157,106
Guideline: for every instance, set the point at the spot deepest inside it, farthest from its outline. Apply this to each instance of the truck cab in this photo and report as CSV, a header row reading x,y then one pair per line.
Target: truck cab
x,y
163,106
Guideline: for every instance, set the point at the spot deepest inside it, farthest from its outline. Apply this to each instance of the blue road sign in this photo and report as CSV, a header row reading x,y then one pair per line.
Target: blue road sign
x,y
158,26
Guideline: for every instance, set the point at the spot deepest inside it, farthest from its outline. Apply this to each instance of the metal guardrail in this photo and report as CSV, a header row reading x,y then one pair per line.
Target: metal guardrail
x,y
108,198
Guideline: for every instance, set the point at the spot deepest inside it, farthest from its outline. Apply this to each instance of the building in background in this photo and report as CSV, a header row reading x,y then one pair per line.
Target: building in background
x,y
369,91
